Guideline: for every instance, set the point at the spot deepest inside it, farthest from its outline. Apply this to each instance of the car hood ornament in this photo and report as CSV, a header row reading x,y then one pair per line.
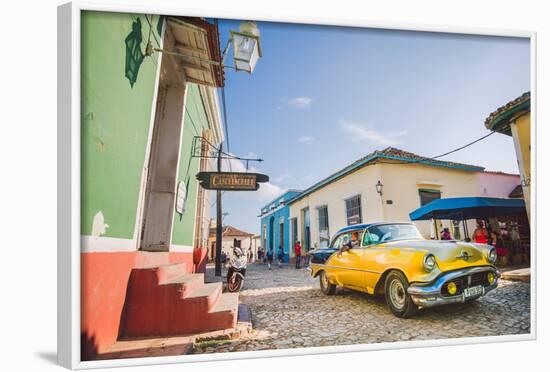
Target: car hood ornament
x,y
464,255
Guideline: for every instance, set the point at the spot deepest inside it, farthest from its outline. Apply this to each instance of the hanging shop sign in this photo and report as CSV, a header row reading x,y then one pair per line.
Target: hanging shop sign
x,y
231,181
181,197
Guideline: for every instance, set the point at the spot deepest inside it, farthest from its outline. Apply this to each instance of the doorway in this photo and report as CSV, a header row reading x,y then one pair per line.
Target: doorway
x,y
294,236
160,189
271,233
281,236
306,230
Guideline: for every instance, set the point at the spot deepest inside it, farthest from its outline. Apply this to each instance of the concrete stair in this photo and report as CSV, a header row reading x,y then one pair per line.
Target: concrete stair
x,y
166,300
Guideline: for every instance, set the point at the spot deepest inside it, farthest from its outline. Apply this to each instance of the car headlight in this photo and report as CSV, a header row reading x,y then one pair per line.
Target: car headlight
x,y
429,262
492,255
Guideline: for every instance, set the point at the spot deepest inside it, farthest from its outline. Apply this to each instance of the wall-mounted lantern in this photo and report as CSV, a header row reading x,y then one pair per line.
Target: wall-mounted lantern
x,y
246,46
379,187
246,49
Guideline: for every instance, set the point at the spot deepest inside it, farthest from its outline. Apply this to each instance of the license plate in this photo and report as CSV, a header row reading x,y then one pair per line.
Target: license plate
x,y
473,291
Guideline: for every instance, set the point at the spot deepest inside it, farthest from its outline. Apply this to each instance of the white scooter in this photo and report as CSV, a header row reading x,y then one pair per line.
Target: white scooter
x,y
236,270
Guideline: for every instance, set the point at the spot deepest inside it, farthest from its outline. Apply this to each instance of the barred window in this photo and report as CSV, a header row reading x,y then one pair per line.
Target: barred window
x,y
427,196
323,226
353,210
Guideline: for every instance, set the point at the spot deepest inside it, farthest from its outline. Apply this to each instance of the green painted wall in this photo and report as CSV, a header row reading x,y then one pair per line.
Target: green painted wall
x,y
115,119
195,121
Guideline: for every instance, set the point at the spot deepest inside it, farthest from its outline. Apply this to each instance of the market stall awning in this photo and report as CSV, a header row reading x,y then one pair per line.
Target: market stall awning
x,y
468,208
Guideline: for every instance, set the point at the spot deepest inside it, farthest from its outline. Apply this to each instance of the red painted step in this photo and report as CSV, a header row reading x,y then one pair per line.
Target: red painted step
x,y
164,300
188,283
167,273
225,312
151,259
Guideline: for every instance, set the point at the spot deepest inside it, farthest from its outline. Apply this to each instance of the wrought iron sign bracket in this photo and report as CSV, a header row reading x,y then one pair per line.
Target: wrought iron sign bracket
x,y
204,149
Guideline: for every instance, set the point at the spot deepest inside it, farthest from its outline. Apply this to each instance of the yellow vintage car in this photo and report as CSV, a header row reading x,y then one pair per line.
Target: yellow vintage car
x,y
395,260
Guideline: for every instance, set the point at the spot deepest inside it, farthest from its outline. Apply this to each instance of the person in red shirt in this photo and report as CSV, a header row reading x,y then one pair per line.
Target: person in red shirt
x,y
298,253
480,234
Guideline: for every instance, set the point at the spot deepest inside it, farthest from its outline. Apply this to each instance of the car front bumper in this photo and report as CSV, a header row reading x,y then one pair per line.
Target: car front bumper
x,y
429,295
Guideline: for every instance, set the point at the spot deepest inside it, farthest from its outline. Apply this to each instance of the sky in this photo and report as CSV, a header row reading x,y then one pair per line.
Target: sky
x,y
322,97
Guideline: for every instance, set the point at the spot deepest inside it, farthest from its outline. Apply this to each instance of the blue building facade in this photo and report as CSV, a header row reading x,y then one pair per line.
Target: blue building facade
x,y
275,225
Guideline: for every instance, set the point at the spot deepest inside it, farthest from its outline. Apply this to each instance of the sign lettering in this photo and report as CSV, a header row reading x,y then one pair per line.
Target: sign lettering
x,y
232,181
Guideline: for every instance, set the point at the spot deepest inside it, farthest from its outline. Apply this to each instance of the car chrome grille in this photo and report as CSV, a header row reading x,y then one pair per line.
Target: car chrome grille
x,y
466,281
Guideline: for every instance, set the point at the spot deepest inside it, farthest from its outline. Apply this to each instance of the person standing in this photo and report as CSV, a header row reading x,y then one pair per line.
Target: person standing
x,y
502,251
281,256
480,233
446,234
298,253
269,258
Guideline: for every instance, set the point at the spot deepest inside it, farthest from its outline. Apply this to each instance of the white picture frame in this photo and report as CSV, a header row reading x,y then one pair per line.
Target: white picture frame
x,y
69,240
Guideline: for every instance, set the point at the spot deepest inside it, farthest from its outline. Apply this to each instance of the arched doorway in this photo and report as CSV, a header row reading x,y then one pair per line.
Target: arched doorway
x,y
271,233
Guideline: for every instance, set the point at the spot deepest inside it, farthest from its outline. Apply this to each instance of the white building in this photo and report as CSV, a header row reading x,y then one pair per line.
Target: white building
x,y
407,181
231,237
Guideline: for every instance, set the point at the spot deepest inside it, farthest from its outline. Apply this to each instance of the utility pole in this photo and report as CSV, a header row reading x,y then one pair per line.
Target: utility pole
x,y
216,152
218,269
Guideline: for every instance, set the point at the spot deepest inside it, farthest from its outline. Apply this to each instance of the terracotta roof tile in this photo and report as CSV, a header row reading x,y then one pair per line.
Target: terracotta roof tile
x,y
498,120
387,155
408,156
228,230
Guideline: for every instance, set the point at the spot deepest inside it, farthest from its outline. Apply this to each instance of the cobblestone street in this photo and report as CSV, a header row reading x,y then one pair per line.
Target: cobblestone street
x,y
289,311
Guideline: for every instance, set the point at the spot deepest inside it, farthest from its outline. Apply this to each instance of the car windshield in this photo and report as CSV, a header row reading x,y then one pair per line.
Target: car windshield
x,y
391,232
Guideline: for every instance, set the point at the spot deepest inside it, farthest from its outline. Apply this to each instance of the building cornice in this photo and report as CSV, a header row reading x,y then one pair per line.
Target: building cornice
x,y
499,120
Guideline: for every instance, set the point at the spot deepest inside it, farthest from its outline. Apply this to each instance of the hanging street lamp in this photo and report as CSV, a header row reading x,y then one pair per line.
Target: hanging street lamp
x,y
246,46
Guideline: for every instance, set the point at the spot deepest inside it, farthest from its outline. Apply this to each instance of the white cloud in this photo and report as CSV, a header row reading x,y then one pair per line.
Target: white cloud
x,y
300,102
306,140
268,191
361,133
235,165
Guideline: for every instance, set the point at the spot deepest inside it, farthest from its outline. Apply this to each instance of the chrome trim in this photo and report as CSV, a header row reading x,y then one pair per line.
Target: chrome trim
x,y
464,256
426,256
346,268
489,255
428,295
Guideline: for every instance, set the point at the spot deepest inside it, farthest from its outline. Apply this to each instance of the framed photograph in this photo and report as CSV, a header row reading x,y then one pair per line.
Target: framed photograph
x,y
235,188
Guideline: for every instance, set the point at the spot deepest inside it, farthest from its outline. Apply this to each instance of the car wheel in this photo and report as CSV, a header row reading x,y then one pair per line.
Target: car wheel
x,y
327,288
399,301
